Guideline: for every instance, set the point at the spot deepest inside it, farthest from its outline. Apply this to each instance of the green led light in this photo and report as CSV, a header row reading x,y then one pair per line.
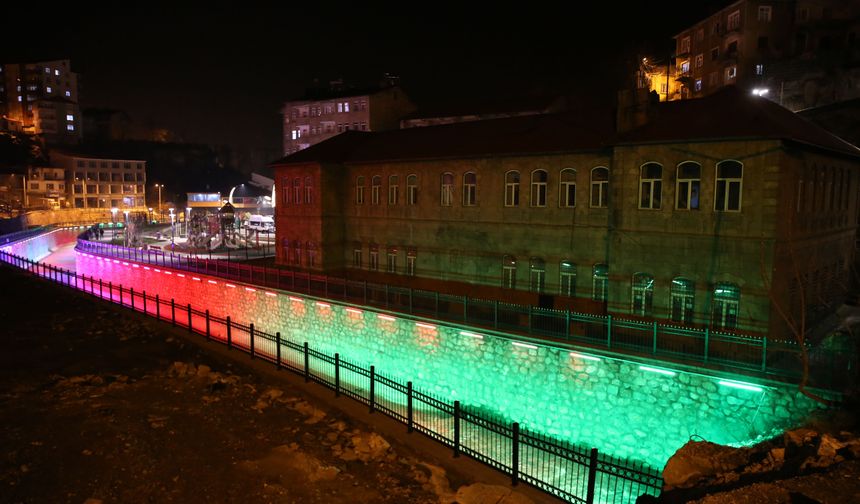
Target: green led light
x,y
524,345
583,356
741,385
657,370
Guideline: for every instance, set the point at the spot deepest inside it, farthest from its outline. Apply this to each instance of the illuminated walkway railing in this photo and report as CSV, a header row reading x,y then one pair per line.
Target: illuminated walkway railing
x,y
700,346
573,473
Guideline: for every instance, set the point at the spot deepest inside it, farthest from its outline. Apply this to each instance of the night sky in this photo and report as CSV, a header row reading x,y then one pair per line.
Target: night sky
x,y
218,74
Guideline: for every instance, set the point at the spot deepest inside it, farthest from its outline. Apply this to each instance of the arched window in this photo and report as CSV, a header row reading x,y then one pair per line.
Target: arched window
x,y
447,189
311,249
599,187
374,257
728,190
538,194
470,186
537,274
356,255
650,186
411,256
391,264
309,190
297,190
375,185
512,189
412,190
285,191
567,188
359,191
393,189
727,298
687,185
682,292
599,281
567,278
509,272
642,294
297,252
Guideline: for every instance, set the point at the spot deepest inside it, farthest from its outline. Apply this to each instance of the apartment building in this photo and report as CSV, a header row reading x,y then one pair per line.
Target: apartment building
x,y
41,98
311,120
99,181
673,211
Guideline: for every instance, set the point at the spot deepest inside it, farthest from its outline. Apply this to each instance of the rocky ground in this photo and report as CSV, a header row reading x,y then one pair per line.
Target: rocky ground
x,y
101,405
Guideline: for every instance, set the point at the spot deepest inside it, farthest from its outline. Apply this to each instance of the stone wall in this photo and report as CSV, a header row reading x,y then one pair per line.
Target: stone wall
x,y
612,404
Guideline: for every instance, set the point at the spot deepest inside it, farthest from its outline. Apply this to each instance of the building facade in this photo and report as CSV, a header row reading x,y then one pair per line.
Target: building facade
x,y
41,98
46,188
312,120
791,51
100,182
660,213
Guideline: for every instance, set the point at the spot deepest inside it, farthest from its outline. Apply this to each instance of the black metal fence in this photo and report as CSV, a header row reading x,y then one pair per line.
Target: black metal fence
x,y
570,472
751,354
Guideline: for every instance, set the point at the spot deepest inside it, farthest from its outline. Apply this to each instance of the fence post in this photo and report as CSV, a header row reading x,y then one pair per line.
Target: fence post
x,y
764,353
190,327
609,331
173,312
229,334
372,398
336,374
707,341
654,349
144,302
121,301
251,338
456,429
409,406
100,288
131,291
515,454
157,307
278,350
592,476
110,288
207,325
307,363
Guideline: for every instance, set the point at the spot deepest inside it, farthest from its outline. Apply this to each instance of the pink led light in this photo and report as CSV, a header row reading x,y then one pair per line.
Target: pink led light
x,y
425,326
250,289
300,300
157,270
354,310
180,275
231,286
323,305
124,263
271,294
135,266
195,278
116,261
168,273
146,267
213,282
385,317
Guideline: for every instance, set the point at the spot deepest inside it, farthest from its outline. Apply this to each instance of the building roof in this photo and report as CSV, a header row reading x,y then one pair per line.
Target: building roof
x,y
732,113
93,152
470,107
729,114
325,94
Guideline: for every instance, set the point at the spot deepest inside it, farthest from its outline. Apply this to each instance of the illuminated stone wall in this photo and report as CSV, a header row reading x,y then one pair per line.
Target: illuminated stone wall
x,y
613,405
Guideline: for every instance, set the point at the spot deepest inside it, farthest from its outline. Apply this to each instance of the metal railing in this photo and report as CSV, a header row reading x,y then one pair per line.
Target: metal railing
x,y
702,346
573,473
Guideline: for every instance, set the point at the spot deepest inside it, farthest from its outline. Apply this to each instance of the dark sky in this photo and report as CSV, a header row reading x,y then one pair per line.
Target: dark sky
x,y
218,74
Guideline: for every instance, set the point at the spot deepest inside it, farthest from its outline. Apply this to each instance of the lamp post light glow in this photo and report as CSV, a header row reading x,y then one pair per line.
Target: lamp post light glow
x,y
187,220
160,211
113,212
125,225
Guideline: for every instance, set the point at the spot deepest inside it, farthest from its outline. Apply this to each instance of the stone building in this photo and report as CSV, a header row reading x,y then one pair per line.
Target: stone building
x,y
721,211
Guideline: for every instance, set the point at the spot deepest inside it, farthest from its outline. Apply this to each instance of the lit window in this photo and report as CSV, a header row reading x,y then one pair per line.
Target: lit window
x,y
764,13
393,188
374,257
599,281
57,72
727,298
47,70
599,187
685,66
470,184
447,189
642,294
729,186
698,85
70,127
309,190
684,45
567,188
295,134
734,21
759,69
700,60
70,117
375,185
538,194
682,293
512,189
346,106
356,256
19,97
731,73
359,191
650,186
509,272
687,187
391,265
297,191
537,274
567,278
48,89
412,190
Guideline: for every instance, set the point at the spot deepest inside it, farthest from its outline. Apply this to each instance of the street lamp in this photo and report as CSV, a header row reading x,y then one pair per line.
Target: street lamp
x,y
113,212
160,212
172,229
187,219
150,215
126,227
